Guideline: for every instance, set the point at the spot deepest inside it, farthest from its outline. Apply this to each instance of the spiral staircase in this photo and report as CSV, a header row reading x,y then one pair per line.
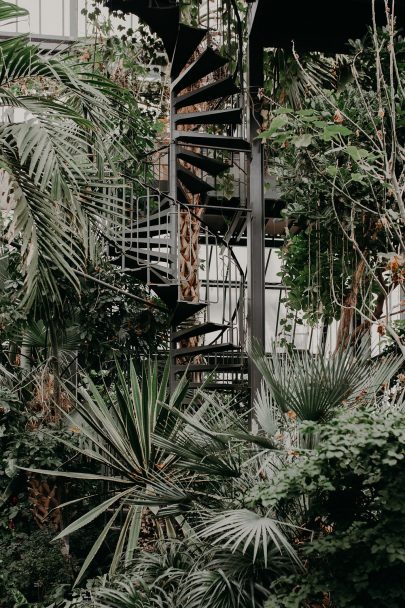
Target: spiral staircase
x,y
165,238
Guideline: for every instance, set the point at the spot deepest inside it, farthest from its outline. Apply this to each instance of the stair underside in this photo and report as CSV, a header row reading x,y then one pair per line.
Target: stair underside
x,y
193,183
185,310
209,367
158,274
216,142
167,293
214,117
163,18
181,195
188,40
209,92
204,349
198,330
210,165
218,386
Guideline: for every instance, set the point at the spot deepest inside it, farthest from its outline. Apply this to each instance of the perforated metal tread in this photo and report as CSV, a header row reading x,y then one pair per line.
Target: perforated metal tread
x,y
205,64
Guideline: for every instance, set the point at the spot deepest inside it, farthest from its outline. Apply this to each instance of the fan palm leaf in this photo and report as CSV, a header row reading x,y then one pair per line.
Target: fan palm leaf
x,y
242,529
313,387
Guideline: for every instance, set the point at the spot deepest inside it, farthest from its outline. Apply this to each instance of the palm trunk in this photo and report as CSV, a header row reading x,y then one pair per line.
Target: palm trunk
x,y
349,306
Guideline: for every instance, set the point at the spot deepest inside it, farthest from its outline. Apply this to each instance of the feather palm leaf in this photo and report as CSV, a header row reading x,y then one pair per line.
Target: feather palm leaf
x,y
59,151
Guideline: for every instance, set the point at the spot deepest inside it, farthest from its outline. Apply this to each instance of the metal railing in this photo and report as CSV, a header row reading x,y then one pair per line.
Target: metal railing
x,y
144,239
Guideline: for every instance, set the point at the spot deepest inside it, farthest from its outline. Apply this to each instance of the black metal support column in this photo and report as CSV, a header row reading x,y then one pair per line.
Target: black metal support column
x,y
173,227
256,219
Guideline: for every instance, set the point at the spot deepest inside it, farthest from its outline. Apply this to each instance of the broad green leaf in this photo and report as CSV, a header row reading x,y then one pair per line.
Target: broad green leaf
x,y
358,154
357,177
302,141
276,124
332,170
332,131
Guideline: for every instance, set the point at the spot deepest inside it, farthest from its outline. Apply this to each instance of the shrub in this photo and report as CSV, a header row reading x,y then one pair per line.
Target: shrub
x,y
351,491
32,570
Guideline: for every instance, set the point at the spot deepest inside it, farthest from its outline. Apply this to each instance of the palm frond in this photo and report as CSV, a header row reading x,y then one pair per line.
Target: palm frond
x,y
11,11
242,529
314,387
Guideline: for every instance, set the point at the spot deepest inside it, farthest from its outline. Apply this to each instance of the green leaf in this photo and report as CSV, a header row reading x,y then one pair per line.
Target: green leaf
x,y
332,170
357,177
276,124
242,528
302,141
92,514
332,131
95,548
358,154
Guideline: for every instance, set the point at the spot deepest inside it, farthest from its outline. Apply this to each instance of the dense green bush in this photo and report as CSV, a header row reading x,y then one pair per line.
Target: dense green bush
x,y
32,570
350,495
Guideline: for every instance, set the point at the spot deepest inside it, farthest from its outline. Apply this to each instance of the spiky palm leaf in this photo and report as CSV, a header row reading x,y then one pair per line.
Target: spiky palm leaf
x,y
119,433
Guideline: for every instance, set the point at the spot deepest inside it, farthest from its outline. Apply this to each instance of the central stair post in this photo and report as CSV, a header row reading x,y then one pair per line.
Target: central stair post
x,y
256,220
173,226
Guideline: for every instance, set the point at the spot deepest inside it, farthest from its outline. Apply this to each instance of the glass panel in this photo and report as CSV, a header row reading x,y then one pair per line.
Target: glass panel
x,y
83,28
30,23
51,17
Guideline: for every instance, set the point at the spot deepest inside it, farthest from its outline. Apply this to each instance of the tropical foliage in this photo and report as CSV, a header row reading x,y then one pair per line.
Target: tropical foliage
x,y
120,491
343,203
214,515
350,494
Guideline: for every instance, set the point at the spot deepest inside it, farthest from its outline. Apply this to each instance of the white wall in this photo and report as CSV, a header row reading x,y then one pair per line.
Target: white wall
x,y
58,18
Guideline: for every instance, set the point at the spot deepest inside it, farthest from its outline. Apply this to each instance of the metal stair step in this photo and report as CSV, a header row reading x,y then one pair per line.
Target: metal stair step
x,y
205,64
198,330
205,348
188,40
219,142
218,386
210,165
231,116
181,195
133,262
185,310
214,90
163,18
167,293
193,183
143,255
209,367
